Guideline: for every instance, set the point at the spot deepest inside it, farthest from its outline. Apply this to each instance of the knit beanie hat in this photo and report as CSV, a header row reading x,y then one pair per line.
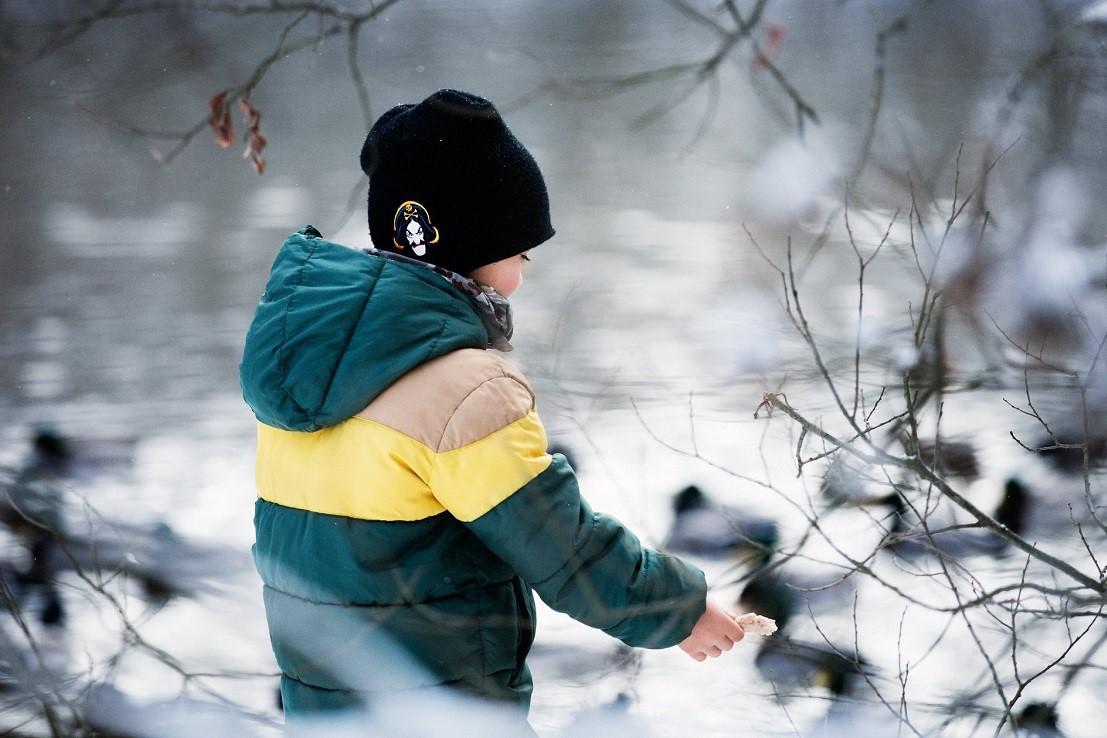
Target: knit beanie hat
x,y
450,185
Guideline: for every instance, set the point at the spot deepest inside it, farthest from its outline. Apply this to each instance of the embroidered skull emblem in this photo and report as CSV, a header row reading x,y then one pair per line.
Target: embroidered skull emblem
x,y
412,227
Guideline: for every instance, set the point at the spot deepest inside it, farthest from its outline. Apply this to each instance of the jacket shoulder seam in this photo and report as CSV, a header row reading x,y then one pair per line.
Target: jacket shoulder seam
x,y
408,436
470,393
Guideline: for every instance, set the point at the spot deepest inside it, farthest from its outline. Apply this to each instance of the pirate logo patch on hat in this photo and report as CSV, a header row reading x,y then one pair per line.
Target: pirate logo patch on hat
x,y
411,226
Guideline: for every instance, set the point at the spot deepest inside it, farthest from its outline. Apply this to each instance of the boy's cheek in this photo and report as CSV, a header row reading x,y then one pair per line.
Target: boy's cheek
x,y
513,285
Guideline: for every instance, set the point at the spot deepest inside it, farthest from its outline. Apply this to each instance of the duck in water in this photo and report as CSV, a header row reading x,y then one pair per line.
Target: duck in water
x,y
906,537
704,527
1038,720
58,457
32,507
790,662
949,458
1064,450
31,501
778,591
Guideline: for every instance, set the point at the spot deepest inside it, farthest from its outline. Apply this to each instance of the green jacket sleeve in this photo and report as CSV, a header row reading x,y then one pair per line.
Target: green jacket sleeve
x,y
492,471
591,567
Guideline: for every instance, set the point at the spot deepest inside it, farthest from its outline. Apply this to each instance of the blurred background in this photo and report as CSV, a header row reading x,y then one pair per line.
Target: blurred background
x,y
885,214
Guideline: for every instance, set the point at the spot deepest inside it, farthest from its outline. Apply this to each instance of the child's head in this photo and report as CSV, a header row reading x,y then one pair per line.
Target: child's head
x,y
449,184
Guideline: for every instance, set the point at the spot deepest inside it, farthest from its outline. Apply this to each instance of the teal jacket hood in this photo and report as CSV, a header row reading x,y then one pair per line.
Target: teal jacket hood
x,y
336,326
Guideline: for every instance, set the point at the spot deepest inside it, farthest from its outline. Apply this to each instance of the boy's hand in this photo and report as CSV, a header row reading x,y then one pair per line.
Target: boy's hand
x,y
715,632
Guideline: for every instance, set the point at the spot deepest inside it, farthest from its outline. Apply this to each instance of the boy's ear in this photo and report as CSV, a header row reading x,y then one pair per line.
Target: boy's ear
x,y
370,150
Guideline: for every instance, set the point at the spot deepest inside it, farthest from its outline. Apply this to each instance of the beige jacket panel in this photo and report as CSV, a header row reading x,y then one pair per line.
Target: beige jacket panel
x,y
422,403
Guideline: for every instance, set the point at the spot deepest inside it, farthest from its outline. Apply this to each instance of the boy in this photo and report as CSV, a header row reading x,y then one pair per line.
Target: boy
x,y
407,505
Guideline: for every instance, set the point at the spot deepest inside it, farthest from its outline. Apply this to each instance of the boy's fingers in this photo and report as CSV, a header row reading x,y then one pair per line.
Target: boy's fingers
x,y
699,656
715,652
727,643
734,631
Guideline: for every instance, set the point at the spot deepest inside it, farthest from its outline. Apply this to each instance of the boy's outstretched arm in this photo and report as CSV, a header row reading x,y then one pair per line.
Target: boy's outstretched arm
x,y
526,507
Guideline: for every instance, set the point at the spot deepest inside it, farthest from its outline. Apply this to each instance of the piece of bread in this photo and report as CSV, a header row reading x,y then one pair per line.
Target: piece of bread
x,y
755,624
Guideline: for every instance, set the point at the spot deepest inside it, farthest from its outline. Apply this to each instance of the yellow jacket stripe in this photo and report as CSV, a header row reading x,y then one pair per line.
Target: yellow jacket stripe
x,y
471,480
366,470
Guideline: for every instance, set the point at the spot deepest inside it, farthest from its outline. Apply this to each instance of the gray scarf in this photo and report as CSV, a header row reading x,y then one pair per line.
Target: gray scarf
x,y
492,307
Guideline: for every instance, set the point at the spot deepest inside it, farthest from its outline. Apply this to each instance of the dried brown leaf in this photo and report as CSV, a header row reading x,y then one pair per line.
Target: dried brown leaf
x,y
255,142
220,120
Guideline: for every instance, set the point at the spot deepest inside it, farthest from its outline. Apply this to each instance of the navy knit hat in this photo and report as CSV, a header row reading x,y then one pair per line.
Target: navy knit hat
x,y
449,184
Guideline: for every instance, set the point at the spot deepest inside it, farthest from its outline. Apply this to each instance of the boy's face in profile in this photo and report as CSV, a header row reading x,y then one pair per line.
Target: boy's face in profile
x,y
504,276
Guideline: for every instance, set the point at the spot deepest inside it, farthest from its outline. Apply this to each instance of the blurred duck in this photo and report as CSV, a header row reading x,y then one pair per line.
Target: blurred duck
x,y
33,493
908,539
33,593
52,454
949,457
1014,509
55,456
1038,514
162,562
703,527
1019,509
1067,459
767,594
779,592
30,505
37,581
31,508
789,662
1037,720
846,482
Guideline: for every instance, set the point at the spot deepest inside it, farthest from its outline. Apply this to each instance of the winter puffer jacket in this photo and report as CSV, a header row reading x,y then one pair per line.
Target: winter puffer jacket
x,y
407,505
